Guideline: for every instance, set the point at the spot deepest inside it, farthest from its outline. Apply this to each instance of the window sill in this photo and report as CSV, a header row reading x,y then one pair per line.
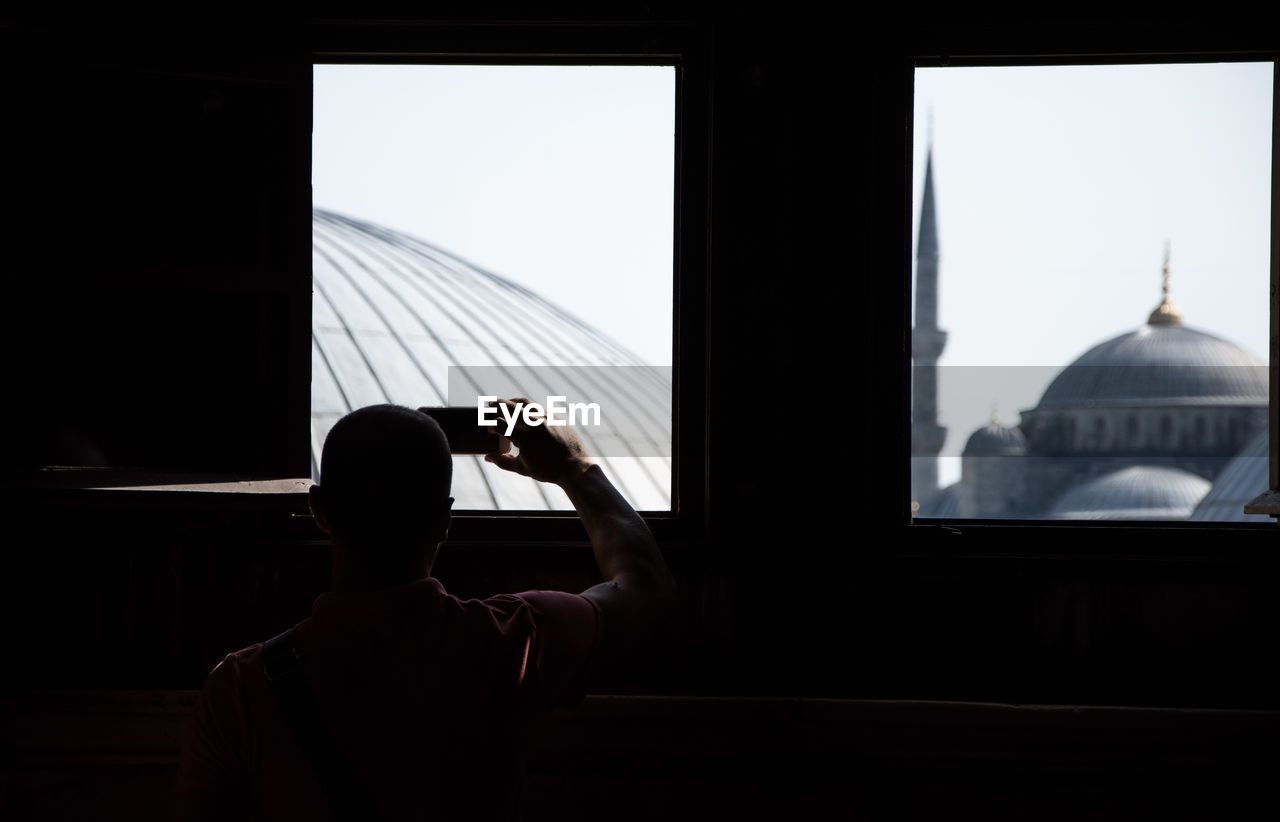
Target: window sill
x,y
79,488
113,479
1267,503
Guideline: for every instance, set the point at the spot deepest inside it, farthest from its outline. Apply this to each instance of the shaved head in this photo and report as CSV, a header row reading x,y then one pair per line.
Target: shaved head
x,y
385,473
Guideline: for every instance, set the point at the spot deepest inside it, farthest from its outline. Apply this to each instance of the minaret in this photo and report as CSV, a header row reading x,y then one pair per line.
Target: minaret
x,y
927,342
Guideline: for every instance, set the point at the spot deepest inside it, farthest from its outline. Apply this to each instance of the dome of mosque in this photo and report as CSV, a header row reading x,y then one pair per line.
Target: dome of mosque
x,y
392,315
995,440
1160,365
1138,492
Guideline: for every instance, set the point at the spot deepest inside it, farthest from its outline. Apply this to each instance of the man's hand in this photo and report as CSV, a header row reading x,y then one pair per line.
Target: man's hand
x,y
638,590
547,453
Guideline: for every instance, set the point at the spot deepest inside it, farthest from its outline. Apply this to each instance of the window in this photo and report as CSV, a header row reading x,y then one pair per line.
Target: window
x,y
1063,184
499,230
676,50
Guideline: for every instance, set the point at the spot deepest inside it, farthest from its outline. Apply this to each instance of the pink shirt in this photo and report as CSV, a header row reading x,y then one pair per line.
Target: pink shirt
x,y
428,696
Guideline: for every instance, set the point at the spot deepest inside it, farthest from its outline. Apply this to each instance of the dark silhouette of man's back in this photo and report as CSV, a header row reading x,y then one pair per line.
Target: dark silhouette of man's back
x,y
427,697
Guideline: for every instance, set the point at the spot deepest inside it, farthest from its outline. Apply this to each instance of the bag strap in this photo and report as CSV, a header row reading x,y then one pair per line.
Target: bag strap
x,y
283,666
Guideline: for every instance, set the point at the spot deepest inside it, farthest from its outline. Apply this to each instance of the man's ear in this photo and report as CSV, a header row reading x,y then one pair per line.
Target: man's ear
x,y
445,519
316,498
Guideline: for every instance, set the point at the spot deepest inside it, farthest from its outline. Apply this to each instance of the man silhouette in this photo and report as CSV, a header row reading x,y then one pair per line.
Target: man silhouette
x,y
426,697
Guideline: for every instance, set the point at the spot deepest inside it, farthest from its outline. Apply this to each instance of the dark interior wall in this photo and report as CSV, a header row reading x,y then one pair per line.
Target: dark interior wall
x,y
154,199
153,205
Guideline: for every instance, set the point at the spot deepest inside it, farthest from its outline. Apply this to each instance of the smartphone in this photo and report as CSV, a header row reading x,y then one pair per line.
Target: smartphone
x,y
465,434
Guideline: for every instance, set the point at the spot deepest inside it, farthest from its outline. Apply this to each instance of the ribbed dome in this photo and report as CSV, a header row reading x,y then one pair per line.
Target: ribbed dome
x,y
995,440
1139,492
1240,482
391,314
1160,365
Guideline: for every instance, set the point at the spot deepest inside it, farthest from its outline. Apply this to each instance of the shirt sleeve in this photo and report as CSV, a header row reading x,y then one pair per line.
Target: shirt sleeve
x,y
562,647
212,768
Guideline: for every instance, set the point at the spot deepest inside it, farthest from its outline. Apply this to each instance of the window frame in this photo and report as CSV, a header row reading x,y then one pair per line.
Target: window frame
x,y
1073,542
682,46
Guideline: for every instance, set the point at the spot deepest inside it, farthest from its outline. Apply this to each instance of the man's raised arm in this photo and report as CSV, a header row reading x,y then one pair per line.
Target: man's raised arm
x,y
638,587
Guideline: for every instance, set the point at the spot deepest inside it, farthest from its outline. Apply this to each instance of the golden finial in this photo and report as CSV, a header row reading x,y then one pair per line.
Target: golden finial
x,y
1164,288
995,417
1166,313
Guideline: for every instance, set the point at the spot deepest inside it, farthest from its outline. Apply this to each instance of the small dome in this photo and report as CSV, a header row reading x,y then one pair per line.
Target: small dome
x,y
995,440
1160,365
1140,492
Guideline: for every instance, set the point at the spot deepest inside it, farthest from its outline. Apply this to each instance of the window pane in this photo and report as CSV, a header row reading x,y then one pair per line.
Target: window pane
x,y
1090,317
479,218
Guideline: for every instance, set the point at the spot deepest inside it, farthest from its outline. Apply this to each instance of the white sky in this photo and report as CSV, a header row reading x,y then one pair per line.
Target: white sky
x,y
1056,189
560,178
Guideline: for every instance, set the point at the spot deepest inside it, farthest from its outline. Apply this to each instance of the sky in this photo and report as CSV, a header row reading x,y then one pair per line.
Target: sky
x,y
1057,189
560,178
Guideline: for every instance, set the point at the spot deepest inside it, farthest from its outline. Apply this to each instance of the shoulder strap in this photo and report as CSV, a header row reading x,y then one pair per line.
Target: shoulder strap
x,y
351,802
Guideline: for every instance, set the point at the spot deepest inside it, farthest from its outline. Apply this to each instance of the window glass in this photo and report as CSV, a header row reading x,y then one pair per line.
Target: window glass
x,y
1090,323
474,223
